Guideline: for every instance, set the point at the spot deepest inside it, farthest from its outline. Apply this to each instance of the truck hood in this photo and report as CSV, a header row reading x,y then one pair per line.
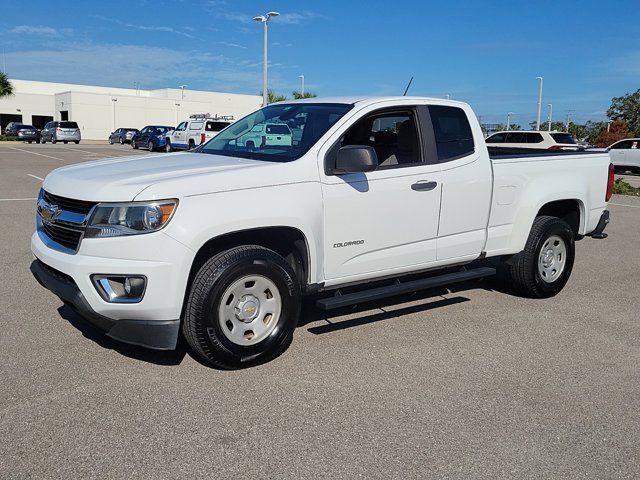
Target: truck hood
x,y
122,179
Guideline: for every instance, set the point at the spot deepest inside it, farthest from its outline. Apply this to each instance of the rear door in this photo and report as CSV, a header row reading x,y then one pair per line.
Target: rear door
x,y
178,138
618,153
384,221
633,154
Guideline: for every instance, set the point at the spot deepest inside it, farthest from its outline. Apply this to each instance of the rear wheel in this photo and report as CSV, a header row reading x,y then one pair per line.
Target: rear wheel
x,y
543,268
121,141
251,145
167,147
77,142
53,140
192,144
150,145
242,308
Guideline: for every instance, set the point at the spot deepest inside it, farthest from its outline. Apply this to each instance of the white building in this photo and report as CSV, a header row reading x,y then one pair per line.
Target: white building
x,y
100,110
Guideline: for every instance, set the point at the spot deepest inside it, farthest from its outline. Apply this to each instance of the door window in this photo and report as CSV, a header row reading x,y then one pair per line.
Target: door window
x,y
393,134
181,127
515,137
452,132
497,138
621,145
195,126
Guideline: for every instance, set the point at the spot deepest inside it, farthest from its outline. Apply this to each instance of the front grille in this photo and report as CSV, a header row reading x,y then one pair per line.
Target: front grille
x,y
69,204
64,236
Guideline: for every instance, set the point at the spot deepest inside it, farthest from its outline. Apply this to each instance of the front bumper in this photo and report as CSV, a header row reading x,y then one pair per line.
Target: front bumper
x,y
154,321
159,335
30,138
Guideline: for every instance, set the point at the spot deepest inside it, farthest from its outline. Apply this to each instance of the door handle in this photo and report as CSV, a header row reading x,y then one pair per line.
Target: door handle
x,y
424,186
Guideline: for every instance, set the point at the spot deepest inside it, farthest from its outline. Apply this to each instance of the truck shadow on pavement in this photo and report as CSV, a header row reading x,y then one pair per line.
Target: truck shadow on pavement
x,y
310,314
158,357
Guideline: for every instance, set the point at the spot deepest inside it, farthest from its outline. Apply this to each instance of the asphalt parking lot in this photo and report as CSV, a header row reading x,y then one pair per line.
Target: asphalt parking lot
x,y
466,383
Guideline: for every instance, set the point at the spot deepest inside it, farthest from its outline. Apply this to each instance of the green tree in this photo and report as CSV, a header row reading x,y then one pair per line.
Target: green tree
x,y
273,97
297,95
503,126
627,109
6,88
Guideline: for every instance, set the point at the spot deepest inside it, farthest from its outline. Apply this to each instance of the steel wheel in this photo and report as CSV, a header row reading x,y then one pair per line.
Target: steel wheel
x,y
249,310
552,259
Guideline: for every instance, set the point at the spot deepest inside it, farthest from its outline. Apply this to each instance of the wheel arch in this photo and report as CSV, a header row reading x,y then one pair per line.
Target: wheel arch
x,y
570,210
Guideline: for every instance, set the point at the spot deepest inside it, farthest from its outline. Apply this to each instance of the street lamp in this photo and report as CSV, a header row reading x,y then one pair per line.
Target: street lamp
x,y
539,102
177,105
182,87
114,100
509,120
265,20
301,77
550,114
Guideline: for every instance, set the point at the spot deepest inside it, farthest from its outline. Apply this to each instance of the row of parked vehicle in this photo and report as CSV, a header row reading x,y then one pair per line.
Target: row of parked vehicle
x,y
199,129
54,131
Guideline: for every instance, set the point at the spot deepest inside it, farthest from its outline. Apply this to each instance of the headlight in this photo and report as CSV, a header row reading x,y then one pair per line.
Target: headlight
x,y
119,219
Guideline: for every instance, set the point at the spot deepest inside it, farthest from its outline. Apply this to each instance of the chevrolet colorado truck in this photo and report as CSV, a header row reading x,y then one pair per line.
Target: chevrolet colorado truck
x,y
380,196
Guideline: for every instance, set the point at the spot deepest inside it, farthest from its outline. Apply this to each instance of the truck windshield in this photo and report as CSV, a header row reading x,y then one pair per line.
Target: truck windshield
x,y
277,133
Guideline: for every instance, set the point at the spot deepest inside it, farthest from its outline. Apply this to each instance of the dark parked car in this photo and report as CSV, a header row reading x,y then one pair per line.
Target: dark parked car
x,y
151,137
11,130
60,132
120,135
28,133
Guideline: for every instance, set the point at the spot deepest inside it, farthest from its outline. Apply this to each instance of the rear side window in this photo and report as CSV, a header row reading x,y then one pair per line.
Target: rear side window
x,y
278,129
533,138
452,132
563,138
195,126
216,126
515,137
497,138
68,125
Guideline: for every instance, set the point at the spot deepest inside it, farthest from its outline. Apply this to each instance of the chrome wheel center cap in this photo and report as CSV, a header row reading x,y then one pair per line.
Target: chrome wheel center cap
x,y
247,308
547,258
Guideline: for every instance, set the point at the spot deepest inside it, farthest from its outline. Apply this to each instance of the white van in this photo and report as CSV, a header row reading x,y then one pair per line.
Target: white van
x,y
195,131
533,139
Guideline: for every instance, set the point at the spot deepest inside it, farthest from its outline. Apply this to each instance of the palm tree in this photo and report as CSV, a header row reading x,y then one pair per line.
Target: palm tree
x,y
297,95
6,89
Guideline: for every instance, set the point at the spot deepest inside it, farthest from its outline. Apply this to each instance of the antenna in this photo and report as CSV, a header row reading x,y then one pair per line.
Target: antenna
x,y
407,89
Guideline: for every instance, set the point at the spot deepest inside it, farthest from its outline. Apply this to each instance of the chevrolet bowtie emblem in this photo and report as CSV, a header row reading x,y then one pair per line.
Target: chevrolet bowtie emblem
x,y
49,211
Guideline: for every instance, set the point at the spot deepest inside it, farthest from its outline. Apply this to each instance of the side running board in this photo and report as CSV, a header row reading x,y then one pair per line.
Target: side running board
x,y
339,300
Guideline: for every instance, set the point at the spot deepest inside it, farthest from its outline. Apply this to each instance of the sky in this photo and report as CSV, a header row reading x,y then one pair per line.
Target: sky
x,y
485,53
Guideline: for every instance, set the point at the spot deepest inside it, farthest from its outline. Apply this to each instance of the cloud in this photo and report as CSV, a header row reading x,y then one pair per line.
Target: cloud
x,y
234,45
120,65
151,28
38,30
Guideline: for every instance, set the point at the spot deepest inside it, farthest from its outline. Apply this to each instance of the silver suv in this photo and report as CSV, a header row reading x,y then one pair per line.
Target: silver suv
x,y
60,132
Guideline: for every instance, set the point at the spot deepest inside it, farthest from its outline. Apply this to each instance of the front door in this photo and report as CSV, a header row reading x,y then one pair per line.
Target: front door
x,y
386,220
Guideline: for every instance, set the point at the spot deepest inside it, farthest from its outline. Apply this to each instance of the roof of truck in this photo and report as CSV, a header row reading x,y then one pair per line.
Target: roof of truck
x,y
371,99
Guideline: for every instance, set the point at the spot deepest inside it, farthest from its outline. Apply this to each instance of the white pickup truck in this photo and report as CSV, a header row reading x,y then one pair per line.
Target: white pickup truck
x,y
222,242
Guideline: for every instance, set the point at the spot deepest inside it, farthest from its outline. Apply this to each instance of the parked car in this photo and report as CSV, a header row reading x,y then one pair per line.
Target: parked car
x,y
28,133
120,135
11,130
267,135
196,131
129,135
222,243
150,137
625,155
533,139
63,131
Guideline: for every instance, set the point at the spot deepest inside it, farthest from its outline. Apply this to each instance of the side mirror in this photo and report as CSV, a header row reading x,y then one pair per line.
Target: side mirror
x,y
356,158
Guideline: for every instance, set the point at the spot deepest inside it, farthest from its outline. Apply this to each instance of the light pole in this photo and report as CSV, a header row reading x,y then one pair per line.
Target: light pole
x,y
550,114
301,77
568,118
265,20
114,100
539,102
177,105
509,119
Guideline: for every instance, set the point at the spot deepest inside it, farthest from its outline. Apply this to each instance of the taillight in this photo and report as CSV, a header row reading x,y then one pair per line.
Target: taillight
x,y
610,181
264,140
202,137
555,147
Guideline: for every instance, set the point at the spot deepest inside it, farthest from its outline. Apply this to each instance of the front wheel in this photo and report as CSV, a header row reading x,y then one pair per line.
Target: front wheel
x,y
150,145
110,141
242,308
53,140
134,144
121,141
167,147
543,268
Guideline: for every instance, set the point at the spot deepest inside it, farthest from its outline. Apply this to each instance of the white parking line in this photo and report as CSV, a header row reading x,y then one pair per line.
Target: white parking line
x,y
36,177
35,153
78,150
623,205
15,199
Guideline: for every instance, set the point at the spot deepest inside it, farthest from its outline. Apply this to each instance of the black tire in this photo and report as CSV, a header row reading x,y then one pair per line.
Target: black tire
x,y
150,146
200,325
167,147
42,140
77,142
192,144
134,144
524,272
65,142
53,140
251,145
110,141
121,141
28,141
